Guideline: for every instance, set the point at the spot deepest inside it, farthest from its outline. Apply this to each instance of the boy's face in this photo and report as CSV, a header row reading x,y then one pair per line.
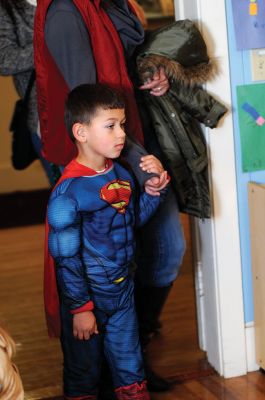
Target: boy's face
x,y
105,133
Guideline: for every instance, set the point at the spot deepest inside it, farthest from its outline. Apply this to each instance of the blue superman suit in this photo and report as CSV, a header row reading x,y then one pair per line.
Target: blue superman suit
x,y
92,220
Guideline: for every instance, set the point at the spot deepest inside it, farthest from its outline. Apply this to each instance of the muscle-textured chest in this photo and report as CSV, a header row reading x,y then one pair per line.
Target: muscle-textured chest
x,y
94,194
106,208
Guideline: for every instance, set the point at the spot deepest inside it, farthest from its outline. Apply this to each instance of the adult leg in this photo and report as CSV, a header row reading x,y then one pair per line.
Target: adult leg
x,y
161,249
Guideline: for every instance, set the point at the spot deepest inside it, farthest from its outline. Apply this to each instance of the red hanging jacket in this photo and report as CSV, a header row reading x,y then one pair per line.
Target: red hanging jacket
x,y
52,88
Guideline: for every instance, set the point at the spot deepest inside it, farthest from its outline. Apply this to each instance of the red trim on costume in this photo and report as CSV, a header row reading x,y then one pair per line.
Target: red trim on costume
x,y
88,397
51,299
136,391
89,306
52,89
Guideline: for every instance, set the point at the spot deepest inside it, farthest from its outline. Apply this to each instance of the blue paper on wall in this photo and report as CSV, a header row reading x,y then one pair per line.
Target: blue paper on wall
x,y
249,23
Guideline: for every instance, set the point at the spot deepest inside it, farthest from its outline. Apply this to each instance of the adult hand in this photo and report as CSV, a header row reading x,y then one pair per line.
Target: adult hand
x,y
84,325
158,84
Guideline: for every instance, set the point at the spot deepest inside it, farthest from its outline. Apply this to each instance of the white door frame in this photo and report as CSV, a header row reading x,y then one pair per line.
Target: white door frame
x,y
217,247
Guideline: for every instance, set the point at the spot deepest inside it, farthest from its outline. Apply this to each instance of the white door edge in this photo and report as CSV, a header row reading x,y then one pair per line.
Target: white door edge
x,y
218,259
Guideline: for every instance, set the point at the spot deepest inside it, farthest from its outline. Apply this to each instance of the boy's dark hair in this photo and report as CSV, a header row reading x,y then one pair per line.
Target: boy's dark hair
x,y
84,101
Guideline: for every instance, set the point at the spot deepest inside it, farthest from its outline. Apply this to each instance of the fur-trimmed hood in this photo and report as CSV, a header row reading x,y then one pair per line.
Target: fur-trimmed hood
x,y
180,49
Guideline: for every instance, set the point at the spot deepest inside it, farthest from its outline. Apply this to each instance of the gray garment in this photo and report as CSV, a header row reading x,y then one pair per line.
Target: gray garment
x,y
69,42
16,51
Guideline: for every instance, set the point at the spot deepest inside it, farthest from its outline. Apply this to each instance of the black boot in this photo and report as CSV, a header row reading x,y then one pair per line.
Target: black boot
x,y
155,383
149,302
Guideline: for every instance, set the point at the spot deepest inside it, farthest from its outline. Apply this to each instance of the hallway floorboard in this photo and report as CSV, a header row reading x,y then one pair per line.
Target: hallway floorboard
x,y
174,353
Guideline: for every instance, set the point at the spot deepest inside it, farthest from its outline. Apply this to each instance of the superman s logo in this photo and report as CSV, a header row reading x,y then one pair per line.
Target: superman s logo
x,y
117,193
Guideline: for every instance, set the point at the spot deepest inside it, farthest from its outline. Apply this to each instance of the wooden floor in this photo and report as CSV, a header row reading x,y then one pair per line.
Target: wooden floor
x,y
174,353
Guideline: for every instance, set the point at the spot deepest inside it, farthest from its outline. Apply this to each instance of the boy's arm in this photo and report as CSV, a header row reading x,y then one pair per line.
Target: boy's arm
x,y
149,200
65,246
145,208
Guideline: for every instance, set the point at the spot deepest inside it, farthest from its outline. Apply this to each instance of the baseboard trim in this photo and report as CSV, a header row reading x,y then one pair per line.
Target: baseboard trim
x,y
250,346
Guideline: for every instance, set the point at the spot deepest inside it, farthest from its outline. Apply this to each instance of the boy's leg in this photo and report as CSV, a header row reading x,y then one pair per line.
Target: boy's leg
x,y
123,351
82,361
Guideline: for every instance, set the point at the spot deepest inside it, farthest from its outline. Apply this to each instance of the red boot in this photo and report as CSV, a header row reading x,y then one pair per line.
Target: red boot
x,y
136,391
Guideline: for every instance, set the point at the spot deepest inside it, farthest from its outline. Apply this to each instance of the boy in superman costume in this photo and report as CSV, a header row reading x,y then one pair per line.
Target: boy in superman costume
x,y
92,214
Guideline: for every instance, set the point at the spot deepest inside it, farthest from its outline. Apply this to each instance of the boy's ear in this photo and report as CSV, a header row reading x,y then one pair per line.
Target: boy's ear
x,y
79,132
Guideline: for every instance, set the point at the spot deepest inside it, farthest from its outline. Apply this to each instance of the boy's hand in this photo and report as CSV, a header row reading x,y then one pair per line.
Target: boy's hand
x,y
154,185
151,164
84,325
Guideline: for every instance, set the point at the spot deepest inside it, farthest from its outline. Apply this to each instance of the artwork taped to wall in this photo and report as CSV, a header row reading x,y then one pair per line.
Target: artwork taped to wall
x,y
251,114
257,58
249,23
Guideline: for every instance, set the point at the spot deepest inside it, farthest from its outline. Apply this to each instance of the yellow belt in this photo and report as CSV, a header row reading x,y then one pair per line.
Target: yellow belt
x,y
119,280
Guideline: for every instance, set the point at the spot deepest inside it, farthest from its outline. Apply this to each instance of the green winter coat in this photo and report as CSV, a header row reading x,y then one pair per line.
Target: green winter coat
x,y
180,49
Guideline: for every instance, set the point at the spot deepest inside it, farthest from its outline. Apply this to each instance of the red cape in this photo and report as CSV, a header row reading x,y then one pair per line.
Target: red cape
x,y
51,298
